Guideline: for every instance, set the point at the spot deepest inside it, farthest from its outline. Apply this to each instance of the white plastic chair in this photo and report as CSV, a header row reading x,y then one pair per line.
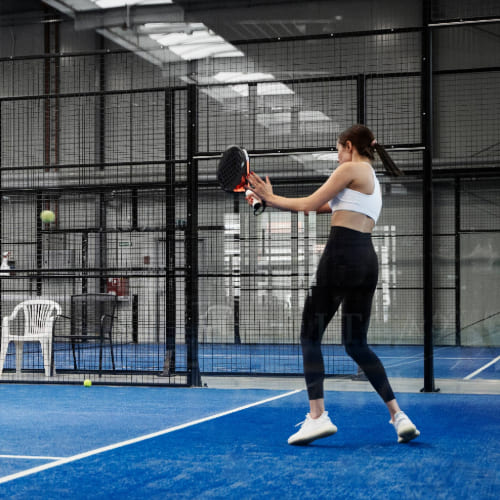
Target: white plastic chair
x,y
39,316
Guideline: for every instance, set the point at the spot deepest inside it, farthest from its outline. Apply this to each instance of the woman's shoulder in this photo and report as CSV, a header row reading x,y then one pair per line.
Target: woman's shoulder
x,y
352,163
361,175
356,167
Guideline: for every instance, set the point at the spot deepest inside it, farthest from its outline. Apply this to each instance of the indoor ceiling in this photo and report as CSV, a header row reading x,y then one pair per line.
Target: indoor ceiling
x,y
231,19
166,31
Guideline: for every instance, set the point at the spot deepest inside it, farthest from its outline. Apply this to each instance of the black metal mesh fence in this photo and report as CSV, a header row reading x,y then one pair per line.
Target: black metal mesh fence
x,y
124,153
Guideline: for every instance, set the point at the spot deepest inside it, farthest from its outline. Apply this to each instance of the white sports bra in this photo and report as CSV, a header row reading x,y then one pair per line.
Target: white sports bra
x,y
355,201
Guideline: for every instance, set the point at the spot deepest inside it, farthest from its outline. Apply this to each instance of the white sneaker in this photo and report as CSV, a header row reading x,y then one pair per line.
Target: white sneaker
x,y
313,428
405,428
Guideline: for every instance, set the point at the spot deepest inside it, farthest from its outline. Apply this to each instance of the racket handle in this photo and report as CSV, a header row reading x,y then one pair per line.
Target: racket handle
x,y
258,205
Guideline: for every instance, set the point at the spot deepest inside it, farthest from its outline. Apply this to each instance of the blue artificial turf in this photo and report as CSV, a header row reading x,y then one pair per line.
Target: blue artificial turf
x,y
399,360
245,454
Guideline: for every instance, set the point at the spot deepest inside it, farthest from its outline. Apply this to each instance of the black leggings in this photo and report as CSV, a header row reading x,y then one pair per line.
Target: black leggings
x,y
347,274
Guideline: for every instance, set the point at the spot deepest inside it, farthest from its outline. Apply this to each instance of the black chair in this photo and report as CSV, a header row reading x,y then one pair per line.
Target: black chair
x,y
91,319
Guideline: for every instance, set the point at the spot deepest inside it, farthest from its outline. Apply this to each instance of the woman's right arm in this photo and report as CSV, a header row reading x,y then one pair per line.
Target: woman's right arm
x,y
315,202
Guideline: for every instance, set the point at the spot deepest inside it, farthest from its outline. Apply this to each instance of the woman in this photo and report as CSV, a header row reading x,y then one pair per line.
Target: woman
x,y
347,274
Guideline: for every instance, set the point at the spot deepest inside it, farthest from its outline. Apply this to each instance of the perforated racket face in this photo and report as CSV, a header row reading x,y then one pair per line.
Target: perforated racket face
x,y
233,169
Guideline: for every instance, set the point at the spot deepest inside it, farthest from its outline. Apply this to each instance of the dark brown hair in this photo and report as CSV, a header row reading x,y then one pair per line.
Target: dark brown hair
x,y
364,141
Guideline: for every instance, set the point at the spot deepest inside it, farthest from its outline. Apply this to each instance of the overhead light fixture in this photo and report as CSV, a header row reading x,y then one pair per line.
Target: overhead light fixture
x,y
275,88
330,156
239,76
263,88
166,28
109,4
198,44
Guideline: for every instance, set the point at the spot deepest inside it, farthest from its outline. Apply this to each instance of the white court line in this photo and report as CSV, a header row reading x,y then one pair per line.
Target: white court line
x,y
479,370
30,457
406,361
80,456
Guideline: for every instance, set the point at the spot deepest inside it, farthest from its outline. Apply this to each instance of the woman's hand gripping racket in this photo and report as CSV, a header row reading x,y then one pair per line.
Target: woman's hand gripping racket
x,y
232,173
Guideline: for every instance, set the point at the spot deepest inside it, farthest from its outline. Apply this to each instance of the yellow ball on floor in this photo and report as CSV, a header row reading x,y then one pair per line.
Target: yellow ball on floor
x,y
87,382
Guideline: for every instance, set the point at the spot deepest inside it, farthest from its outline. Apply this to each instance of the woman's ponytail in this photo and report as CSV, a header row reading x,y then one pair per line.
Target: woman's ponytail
x,y
389,165
364,141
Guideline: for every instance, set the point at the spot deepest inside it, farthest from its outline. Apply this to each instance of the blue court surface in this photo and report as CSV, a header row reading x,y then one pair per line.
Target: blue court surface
x,y
400,361
101,442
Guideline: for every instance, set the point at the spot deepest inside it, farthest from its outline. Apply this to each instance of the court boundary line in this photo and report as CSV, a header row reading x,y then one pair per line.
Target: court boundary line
x,y
479,370
31,457
145,437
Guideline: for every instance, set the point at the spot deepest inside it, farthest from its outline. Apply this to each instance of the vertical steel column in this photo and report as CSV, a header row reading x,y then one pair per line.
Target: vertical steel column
x,y
57,87
458,284
170,264
252,107
427,197
46,101
1,206
361,98
101,149
101,106
135,209
191,242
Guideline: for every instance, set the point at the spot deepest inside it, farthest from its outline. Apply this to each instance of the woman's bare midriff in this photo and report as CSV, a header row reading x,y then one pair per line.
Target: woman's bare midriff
x,y
353,220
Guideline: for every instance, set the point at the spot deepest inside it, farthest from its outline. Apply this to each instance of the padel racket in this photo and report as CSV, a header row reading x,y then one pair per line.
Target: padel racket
x,y
232,172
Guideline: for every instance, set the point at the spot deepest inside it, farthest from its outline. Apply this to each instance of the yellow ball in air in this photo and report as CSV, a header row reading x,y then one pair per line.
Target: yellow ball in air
x,y
48,216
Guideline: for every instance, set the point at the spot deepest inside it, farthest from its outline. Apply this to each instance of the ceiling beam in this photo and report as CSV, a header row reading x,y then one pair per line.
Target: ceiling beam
x,y
239,10
128,16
